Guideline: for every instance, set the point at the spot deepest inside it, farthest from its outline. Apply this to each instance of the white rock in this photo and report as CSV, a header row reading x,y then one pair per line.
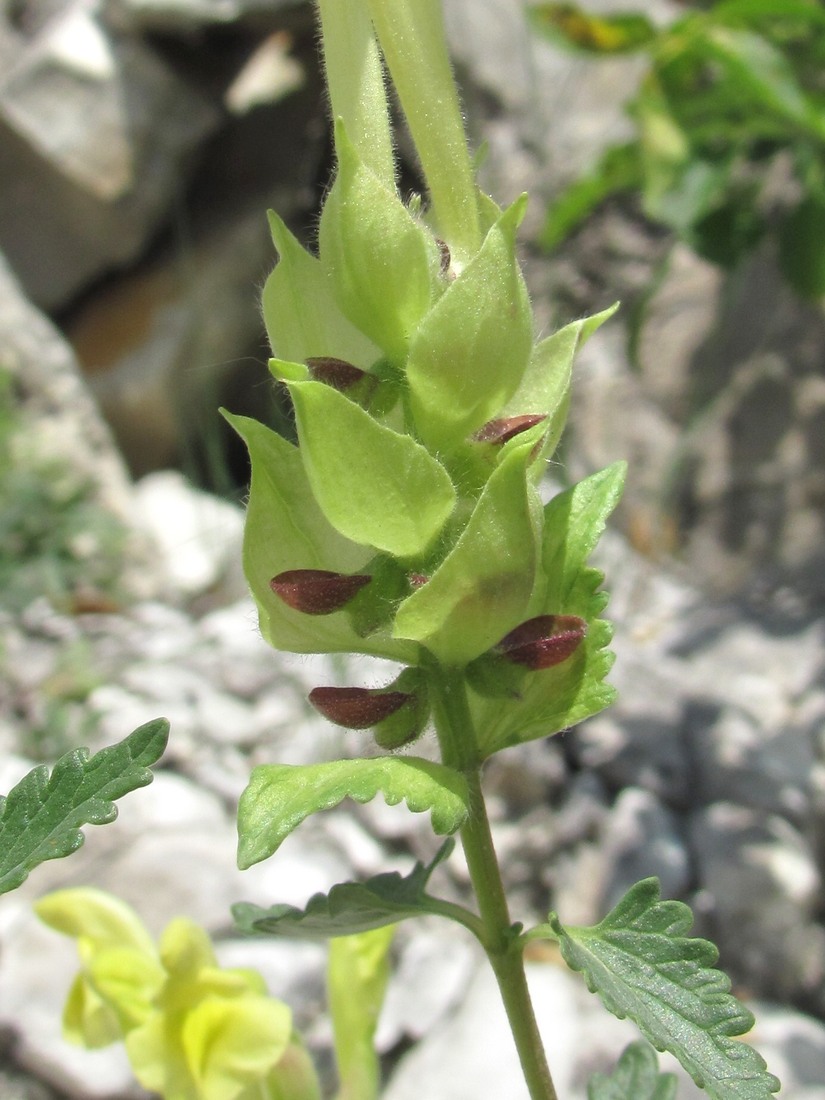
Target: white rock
x,y
199,535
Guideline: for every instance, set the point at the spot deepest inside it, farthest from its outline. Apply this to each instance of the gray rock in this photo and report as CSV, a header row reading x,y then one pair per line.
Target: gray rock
x,y
759,899
472,1055
428,981
199,536
96,132
51,392
642,838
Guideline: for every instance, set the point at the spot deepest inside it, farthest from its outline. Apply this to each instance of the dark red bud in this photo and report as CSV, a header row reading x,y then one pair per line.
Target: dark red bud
x,y
544,641
417,579
357,708
337,373
499,431
317,591
446,258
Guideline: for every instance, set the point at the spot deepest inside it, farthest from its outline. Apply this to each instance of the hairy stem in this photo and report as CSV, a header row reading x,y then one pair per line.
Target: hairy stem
x,y
355,78
458,747
411,34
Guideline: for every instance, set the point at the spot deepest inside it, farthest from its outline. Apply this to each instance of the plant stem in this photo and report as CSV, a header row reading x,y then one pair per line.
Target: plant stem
x,y
459,750
412,39
355,79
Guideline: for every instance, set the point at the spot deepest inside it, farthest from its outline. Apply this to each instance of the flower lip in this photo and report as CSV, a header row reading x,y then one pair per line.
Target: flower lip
x,y
501,430
337,373
544,641
317,591
357,708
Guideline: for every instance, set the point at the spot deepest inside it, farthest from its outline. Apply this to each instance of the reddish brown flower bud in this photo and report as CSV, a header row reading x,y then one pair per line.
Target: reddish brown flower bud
x,y
544,641
500,431
356,708
417,579
444,253
317,591
337,373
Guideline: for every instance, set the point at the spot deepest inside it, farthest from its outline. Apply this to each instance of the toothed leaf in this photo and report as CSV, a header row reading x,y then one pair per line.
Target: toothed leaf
x,y
636,1077
349,907
280,796
41,816
643,965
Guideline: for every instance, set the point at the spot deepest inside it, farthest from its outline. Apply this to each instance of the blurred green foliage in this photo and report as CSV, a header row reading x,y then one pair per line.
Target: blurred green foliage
x,y
730,128
56,539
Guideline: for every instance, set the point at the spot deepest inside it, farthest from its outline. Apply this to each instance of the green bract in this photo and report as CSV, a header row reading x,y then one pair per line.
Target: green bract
x,y
382,263
470,351
300,312
484,585
374,485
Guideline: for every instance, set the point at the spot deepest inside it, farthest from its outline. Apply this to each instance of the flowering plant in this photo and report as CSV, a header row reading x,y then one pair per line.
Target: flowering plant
x,y
407,523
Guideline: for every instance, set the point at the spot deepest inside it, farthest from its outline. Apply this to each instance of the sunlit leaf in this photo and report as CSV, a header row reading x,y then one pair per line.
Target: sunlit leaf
x,y
482,588
286,529
643,965
470,351
375,486
555,698
545,386
382,262
300,312
41,816
280,796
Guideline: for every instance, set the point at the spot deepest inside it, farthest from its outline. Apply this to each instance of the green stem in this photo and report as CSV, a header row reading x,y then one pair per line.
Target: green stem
x,y
355,78
411,34
459,750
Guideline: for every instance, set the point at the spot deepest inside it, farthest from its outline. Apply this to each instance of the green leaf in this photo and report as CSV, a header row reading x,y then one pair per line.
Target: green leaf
x,y
482,588
753,11
592,34
300,312
762,70
573,524
286,529
557,698
280,796
723,235
470,351
41,817
618,169
349,907
357,976
802,247
545,387
636,1077
384,265
375,486
643,965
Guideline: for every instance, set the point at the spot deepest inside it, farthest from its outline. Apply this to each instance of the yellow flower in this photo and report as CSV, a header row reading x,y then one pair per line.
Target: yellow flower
x,y
192,1030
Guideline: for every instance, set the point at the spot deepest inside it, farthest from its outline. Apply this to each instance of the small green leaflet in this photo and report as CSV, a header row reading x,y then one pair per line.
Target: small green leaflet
x,y
636,1077
642,965
280,796
41,817
349,907
559,697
